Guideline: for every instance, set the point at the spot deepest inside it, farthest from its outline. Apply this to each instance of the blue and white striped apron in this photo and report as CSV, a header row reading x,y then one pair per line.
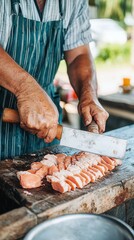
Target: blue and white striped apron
x,y
37,47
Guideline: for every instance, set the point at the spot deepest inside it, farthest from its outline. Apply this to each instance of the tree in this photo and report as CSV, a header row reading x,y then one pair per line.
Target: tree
x,y
115,9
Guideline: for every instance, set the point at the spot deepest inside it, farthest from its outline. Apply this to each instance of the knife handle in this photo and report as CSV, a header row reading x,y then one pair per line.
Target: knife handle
x,y
93,127
12,116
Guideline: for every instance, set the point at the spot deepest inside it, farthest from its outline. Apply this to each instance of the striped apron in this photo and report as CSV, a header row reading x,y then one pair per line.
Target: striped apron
x,y
38,48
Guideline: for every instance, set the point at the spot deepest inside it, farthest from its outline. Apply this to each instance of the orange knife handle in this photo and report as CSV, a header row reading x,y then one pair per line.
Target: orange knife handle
x,y
59,131
12,116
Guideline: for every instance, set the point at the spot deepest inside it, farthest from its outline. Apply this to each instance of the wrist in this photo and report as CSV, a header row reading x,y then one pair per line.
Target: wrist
x,y
25,84
88,90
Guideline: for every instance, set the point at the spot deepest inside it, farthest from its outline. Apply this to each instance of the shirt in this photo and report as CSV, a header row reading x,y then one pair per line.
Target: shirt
x,y
75,19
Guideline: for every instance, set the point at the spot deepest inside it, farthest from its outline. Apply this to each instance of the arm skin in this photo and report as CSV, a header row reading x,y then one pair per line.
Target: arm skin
x,y
82,75
38,114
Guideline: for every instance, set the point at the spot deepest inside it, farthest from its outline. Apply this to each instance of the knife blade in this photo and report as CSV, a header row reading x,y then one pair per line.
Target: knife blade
x,y
93,142
78,139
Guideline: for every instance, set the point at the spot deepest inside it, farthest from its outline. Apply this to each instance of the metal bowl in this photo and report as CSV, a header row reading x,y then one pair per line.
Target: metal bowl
x,y
82,227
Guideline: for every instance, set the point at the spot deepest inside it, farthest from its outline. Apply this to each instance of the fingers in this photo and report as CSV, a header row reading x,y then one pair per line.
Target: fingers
x,y
100,118
45,126
42,133
32,131
97,113
48,134
85,114
51,134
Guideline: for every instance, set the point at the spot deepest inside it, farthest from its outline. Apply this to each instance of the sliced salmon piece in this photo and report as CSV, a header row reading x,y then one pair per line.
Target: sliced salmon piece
x,y
42,172
92,177
19,173
52,169
119,162
61,174
116,161
60,186
31,171
108,160
67,161
47,163
72,185
82,164
83,180
61,166
101,169
97,171
86,176
91,157
73,159
78,154
74,169
36,165
51,158
76,180
109,166
51,178
96,175
30,181
60,155
60,161
103,165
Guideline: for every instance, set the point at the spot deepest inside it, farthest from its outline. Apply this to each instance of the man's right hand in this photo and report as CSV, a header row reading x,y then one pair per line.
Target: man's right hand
x,y
38,114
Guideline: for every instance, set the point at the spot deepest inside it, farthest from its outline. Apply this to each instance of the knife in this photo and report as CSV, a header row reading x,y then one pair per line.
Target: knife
x,y
78,139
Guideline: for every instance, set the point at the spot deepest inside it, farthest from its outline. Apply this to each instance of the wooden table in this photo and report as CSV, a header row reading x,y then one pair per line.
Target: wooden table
x,y
36,205
121,109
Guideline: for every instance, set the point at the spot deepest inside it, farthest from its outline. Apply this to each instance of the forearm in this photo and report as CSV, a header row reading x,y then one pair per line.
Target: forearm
x,y
12,76
37,112
82,75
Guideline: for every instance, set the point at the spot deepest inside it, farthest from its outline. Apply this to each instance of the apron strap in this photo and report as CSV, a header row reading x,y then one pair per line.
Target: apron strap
x,y
14,3
60,8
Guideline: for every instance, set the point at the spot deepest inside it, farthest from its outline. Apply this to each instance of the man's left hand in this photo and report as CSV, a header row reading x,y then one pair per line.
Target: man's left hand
x,y
91,110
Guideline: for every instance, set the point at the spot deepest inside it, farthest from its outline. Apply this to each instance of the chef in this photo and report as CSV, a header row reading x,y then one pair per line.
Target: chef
x,y
35,35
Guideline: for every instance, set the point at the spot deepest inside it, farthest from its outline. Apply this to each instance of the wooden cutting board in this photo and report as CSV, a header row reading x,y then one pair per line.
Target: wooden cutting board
x,y
97,197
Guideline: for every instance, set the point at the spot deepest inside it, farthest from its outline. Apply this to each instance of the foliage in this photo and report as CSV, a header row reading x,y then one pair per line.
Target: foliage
x,y
114,53
115,9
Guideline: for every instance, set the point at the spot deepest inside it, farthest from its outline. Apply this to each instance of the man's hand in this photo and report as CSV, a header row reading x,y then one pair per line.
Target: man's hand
x,y
90,110
38,114
82,77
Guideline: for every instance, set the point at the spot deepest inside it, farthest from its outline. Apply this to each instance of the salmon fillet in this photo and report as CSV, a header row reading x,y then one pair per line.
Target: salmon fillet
x,y
30,181
66,173
36,165
42,172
